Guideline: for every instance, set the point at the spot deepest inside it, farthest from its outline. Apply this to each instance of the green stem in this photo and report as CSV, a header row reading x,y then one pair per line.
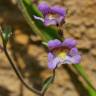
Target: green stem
x,y
89,87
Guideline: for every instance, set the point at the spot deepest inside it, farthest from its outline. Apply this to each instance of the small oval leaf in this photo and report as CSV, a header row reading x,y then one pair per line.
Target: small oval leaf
x,y
47,82
7,33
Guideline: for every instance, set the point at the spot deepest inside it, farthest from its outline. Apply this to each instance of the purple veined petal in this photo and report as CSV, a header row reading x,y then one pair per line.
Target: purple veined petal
x,y
50,57
54,63
76,59
48,22
73,51
39,18
44,8
67,60
69,42
54,44
59,10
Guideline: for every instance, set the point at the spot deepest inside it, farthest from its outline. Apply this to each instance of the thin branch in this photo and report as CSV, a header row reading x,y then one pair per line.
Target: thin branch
x,y
17,71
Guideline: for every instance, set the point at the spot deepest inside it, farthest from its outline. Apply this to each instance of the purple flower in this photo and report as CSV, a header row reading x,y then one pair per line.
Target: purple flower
x,y
62,53
54,15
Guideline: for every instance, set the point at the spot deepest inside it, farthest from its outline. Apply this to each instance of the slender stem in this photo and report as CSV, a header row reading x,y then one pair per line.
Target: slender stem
x,y
54,72
81,71
89,87
17,71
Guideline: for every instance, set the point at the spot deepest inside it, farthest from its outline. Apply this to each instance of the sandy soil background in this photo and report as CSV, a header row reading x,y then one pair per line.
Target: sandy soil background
x,y
31,57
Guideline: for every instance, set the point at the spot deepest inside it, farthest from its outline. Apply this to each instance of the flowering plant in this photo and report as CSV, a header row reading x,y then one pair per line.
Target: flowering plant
x,y
61,51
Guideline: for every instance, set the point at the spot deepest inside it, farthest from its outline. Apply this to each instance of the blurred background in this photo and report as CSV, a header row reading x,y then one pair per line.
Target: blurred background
x,y
31,57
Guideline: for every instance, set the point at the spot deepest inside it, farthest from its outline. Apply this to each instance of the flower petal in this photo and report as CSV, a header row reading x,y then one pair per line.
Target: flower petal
x,y
69,42
50,57
54,63
67,60
59,10
73,51
53,21
71,60
48,22
54,44
76,59
44,8
39,18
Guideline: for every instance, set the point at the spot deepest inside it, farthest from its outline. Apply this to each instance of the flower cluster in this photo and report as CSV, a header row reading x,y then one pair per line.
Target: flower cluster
x,y
62,53
54,15
59,52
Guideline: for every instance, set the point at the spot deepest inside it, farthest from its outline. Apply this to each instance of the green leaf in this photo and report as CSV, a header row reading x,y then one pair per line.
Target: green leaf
x,y
7,33
29,10
46,83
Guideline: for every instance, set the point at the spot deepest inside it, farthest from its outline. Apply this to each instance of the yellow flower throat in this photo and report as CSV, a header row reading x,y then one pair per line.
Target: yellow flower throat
x,y
62,55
